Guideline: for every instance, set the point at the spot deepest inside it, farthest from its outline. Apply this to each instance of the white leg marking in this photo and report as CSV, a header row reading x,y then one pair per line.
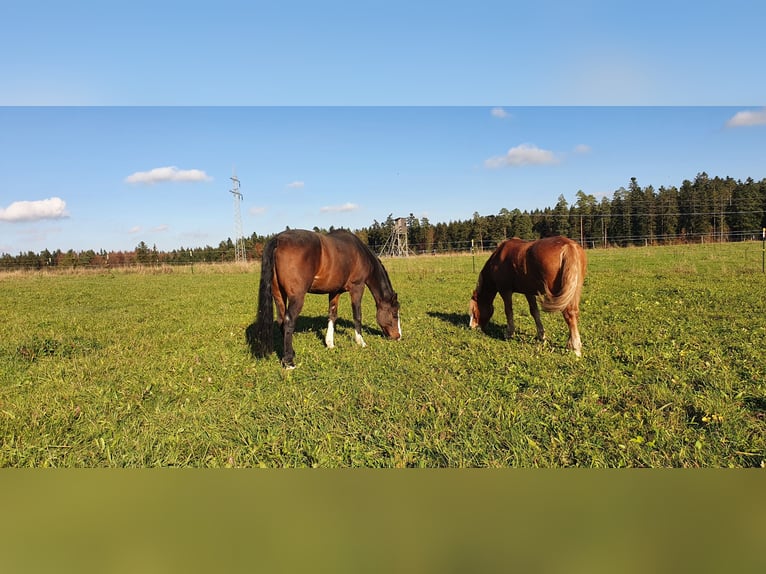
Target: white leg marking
x,y
329,339
577,346
359,340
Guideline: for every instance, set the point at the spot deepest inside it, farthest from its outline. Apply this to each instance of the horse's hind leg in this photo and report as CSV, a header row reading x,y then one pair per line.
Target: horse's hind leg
x,y
571,315
294,307
534,310
333,316
279,300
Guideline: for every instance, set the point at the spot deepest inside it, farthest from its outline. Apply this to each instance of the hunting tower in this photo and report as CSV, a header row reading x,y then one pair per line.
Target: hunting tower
x,y
396,244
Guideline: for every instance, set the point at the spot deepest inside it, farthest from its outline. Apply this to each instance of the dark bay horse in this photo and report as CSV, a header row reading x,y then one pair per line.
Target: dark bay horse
x,y
553,267
297,262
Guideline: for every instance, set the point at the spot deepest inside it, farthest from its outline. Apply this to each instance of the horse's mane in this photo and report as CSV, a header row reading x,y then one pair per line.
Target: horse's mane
x,y
379,272
387,290
485,285
385,281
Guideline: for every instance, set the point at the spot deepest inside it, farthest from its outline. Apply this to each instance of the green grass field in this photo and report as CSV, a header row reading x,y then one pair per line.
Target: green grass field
x,y
144,369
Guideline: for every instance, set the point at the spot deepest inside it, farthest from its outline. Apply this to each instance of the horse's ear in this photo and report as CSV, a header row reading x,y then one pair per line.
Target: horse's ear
x,y
474,296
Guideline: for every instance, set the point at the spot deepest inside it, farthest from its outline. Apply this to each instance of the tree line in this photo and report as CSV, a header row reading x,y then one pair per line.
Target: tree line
x,y
717,209
706,208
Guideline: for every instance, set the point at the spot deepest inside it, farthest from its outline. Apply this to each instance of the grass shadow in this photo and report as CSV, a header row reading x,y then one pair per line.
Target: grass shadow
x,y
493,331
456,319
305,324
756,405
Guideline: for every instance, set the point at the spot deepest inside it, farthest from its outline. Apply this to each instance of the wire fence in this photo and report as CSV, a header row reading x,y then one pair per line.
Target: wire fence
x,y
225,258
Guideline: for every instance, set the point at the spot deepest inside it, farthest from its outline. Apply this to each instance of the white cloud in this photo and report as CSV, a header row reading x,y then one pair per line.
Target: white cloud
x,y
296,185
524,154
160,228
52,208
747,118
170,173
257,210
499,113
339,208
135,229
582,148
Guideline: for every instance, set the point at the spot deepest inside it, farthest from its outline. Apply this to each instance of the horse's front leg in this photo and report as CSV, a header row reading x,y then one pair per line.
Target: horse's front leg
x,y
294,307
510,329
332,317
356,309
534,310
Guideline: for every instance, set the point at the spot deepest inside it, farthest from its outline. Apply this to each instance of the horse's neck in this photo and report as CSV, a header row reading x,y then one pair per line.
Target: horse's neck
x,y
378,283
485,287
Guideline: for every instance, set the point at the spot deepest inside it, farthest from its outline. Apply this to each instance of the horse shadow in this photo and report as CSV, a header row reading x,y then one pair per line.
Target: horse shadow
x,y
456,319
305,323
494,330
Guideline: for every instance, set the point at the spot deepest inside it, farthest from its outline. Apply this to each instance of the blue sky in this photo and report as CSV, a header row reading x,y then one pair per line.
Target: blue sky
x,y
123,123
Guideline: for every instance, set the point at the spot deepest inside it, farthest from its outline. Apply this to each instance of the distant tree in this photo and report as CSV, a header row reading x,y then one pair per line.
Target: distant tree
x,y
143,255
746,210
666,207
521,225
620,227
561,217
415,238
583,220
429,234
641,210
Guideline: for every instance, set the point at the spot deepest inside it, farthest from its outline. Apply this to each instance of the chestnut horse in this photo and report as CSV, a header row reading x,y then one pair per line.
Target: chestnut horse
x,y
296,262
553,267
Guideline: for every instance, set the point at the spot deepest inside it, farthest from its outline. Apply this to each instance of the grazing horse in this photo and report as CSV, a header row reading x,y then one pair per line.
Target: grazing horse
x,y
553,267
296,262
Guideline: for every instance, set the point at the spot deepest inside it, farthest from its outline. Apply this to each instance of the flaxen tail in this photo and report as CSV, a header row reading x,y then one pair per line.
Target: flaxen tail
x,y
262,342
572,277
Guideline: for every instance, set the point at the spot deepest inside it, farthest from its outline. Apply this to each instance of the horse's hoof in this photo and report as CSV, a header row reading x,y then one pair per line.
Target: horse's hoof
x,y
288,365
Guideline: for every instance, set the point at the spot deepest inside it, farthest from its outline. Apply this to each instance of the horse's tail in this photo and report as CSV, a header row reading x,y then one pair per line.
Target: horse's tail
x,y
263,342
572,277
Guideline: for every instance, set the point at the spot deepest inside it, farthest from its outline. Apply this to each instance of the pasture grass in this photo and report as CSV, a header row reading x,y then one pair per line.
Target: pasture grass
x,y
152,369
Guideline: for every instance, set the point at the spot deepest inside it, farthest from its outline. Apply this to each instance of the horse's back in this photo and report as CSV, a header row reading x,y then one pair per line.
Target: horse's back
x,y
554,251
297,237
345,260
297,256
314,262
507,266
524,266
550,254
551,247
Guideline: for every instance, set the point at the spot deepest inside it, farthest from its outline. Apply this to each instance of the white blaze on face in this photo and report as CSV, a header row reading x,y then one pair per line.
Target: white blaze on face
x,y
399,326
472,322
329,338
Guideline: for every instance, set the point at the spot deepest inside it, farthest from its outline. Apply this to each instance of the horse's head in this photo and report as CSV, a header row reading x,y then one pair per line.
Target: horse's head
x,y
388,318
479,312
